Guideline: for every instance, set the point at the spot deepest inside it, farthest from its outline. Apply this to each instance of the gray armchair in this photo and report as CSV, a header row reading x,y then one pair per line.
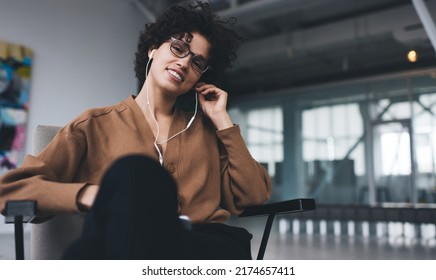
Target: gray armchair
x,y
48,240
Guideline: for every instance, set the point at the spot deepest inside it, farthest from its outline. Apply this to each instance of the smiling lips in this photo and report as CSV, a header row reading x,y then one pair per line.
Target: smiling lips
x,y
176,75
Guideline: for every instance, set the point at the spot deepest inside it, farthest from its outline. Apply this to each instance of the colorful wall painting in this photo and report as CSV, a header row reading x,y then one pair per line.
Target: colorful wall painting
x,y
15,74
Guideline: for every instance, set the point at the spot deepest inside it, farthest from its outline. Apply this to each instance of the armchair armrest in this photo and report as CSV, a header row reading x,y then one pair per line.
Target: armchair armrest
x,y
273,209
279,208
17,212
26,209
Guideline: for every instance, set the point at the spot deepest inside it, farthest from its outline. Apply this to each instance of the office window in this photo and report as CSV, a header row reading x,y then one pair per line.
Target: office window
x,y
262,129
395,138
264,136
396,152
331,132
425,133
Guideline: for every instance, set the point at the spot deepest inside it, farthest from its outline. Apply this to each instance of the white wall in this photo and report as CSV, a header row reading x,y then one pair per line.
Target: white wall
x,y
83,54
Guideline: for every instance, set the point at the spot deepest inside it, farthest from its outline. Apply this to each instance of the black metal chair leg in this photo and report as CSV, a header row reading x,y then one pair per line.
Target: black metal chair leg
x,y
19,212
265,236
273,209
19,238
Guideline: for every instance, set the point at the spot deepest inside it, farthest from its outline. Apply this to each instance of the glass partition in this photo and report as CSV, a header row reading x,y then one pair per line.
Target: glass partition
x,y
371,141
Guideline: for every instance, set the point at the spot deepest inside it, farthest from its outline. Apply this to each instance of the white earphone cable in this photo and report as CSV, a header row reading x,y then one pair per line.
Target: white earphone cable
x,y
152,114
188,125
155,143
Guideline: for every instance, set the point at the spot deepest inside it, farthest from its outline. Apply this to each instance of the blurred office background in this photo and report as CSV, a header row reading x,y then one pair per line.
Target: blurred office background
x,y
336,98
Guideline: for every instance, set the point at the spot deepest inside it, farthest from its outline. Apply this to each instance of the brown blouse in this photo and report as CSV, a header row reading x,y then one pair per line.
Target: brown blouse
x,y
214,171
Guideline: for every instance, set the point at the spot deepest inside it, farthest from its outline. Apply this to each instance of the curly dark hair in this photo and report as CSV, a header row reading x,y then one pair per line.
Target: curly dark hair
x,y
182,20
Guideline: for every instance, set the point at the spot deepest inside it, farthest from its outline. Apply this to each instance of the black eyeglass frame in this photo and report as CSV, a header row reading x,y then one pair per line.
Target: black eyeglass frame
x,y
174,40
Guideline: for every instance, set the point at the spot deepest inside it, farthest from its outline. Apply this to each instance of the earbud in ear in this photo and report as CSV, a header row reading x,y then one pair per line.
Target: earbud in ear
x,y
152,53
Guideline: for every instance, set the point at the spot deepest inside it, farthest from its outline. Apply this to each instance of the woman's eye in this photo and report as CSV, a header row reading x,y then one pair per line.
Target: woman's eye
x,y
179,49
197,63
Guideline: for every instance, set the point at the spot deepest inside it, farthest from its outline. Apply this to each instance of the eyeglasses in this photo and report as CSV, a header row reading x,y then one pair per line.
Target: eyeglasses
x,y
181,49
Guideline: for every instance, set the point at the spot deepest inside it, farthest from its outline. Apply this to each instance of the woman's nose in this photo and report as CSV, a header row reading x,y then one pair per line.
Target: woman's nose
x,y
184,62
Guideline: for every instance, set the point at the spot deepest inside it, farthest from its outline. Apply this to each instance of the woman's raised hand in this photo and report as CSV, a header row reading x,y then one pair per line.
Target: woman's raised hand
x,y
213,101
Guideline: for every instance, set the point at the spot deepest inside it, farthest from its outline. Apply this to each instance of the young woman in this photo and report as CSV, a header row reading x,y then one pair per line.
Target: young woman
x,y
133,168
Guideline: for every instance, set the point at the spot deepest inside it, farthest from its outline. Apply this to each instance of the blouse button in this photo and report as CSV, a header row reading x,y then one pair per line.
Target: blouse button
x,y
171,168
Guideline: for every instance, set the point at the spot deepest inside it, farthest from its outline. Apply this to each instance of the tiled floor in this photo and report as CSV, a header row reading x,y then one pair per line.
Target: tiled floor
x,y
287,245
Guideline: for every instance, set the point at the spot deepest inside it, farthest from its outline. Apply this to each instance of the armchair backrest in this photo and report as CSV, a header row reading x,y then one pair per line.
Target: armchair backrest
x,y
49,240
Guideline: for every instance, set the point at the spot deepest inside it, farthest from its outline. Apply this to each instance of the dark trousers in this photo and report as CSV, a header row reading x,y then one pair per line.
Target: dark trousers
x,y
135,216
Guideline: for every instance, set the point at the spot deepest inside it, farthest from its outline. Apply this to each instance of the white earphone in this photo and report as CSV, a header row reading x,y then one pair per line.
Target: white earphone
x,y
152,53
152,115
